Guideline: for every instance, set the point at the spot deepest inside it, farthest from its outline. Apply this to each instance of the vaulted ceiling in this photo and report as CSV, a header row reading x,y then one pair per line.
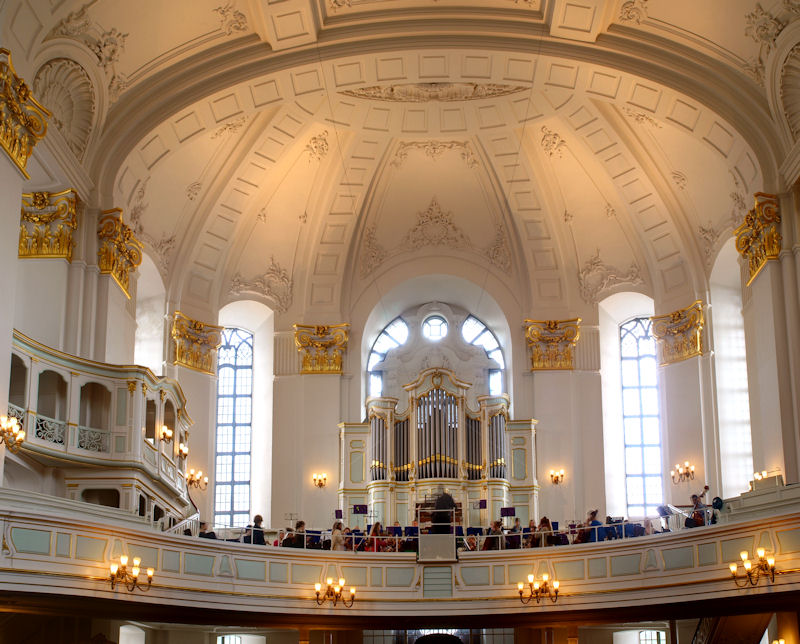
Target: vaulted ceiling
x,y
307,153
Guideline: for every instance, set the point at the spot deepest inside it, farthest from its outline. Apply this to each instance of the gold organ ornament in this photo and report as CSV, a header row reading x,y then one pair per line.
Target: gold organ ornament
x,y
119,251
321,346
24,119
46,224
679,334
195,342
552,343
758,238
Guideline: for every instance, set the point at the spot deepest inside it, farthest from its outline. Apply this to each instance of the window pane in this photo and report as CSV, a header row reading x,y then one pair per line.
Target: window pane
x,y
497,356
244,355
384,343
241,470
241,498
375,384
630,373
471,328
223,498
374,360
224,438
652,460
225,383
225,410
629,348
630,402
636,511
242,439
223,469
653,489
398,330
635,486
244,382
633,431
487,341
650,431
650,401
633,460
495,382
243,409
647,371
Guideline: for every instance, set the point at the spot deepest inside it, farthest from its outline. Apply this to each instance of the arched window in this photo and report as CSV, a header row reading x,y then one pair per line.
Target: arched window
x,y
234,428
640,418
652,637
394,335
476,332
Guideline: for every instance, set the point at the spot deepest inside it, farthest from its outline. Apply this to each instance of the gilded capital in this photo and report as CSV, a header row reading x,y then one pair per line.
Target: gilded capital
x,y
758,238
321,346
46,224
195,342
552,343
679,334
119,251
24,119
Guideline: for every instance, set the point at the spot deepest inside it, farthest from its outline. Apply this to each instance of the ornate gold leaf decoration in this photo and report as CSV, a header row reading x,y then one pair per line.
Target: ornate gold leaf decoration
x,y
195,342
119,252
46,224
24,119
552,343
758,238
679,334
321,346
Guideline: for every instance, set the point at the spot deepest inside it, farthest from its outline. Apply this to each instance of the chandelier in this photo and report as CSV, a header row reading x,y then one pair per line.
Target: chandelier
x,y
334,593
753,571
11,433
118,573
539,590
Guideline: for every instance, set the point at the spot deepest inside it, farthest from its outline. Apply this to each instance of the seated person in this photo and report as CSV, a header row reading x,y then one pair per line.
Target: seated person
x,y
494,539
255,532
296,539
205,533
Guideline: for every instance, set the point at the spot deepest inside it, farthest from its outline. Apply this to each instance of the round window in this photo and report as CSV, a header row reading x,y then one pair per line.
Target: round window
x,y
434,328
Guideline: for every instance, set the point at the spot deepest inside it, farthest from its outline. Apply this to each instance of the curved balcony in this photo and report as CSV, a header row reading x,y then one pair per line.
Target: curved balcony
x,y
100,423
59,551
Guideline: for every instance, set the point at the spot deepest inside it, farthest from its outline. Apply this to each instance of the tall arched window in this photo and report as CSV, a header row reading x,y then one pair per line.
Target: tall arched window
x,y
477,333
234,428
394,335
640,418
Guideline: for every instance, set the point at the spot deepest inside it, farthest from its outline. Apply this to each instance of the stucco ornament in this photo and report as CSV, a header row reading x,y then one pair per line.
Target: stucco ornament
x,y
274,284
434,150
596,277
552,143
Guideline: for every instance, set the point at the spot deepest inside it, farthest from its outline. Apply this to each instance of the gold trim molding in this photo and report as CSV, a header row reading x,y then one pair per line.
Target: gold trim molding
x,y
321,346
47,220
679,334
24,119
195,342
552,343
119,252
758,238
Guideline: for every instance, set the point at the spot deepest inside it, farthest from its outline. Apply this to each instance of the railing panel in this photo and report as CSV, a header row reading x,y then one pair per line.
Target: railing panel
x,y
94,440
50,430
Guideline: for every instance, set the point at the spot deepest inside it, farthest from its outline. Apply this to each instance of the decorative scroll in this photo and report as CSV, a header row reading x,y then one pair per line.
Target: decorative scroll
x,y
552,343
50,430
679,334
93,440
119,252
321,346
23,119
758,238
46,224
195,343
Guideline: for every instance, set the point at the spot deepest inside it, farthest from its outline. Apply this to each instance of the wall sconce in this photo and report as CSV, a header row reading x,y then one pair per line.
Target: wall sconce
x,y
539,591
753,571
556,477
11,433
166,434
196,479
682,473
119,574
757,476
334,593
183,450
780,641
320,480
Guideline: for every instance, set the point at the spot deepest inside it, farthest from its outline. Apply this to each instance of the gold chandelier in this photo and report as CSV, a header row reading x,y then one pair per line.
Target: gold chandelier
x,y
11,433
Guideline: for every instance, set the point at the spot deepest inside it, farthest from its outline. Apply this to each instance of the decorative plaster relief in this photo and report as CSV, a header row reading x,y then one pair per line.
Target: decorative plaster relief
x,y
552,143
790,90
321,346
317,146
275,284
709,235
231,19
610,211
633,11
434,227
764,28
193,189
435,149
679,179
338,4
758,238
231,127
64,86
739,207
195,343
596,277
23,120
552,343
262,215
162,248
425,92
641,117
46,224
679,334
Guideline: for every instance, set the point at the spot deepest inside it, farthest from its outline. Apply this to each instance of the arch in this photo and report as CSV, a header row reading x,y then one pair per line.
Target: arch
x,y
150,421
151,303
170,416
18,382
52,395
129,634
95,406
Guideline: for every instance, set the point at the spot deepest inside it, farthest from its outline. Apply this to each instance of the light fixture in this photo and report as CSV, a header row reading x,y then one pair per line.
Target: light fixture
x,y
196,479
118,573
320,480
11,433
757,476
556,477
753,570
539,590
166,434
682,473
334,593
183,450
780,641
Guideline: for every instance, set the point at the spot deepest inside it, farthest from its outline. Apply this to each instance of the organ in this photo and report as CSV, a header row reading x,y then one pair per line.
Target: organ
x,y
434,442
